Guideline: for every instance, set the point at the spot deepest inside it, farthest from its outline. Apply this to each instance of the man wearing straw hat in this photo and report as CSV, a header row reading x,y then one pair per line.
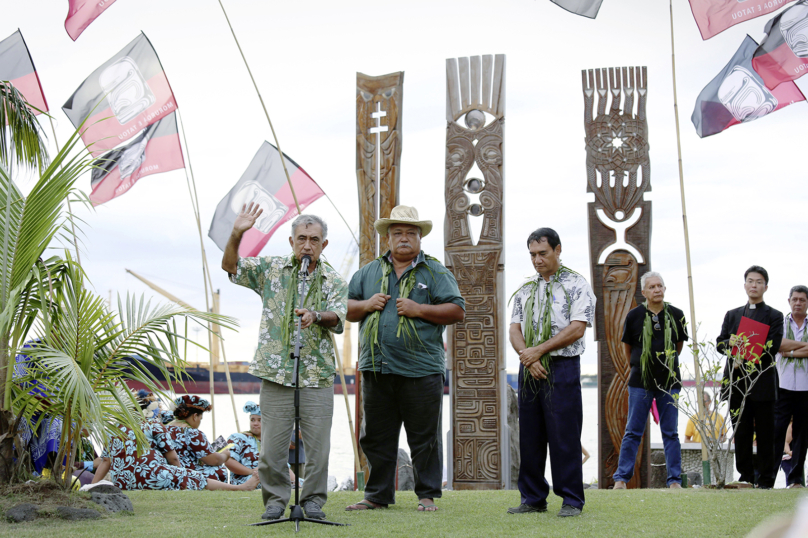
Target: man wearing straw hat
x,y
279,280
404,300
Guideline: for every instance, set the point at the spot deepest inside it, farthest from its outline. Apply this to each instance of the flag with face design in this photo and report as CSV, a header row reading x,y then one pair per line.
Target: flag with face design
x,y
264,183
80,13
125,95
585,8
155,150
738,95
783,54
715,16
17,67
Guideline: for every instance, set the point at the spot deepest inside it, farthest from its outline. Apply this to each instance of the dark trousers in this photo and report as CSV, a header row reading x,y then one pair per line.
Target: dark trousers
x,y
756,423
551,414
392,400
791,404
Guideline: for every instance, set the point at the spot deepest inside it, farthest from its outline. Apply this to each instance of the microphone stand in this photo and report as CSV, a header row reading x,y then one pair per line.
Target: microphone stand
x,y
296,514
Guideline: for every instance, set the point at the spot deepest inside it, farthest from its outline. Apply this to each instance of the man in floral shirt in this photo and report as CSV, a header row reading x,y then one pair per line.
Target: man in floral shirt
x,y
279,281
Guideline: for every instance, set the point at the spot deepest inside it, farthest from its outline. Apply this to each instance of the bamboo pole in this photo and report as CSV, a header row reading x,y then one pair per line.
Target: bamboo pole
x,y
277,144
360,476
705,460
206,283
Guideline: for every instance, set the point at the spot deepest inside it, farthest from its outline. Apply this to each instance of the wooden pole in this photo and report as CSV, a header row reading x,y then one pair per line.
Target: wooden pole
x,y
359,474
277,144
705,460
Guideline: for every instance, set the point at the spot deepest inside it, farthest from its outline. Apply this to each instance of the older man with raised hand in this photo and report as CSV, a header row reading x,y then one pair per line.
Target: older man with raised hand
x,y
279,280
792,400
551,312
751,386
653,336
404,300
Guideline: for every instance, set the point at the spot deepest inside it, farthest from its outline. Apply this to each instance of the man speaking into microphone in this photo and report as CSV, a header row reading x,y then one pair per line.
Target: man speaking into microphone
x,y
279,281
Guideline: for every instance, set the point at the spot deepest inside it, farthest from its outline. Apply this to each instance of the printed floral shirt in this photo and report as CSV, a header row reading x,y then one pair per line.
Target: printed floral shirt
x,y
270,277
192,445
246,451
581,307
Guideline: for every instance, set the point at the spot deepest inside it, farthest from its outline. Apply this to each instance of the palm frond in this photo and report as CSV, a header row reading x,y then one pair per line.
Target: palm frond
x,y
22,139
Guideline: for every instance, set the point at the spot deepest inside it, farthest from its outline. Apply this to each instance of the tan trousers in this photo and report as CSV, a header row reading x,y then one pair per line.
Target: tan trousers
x,y
277,421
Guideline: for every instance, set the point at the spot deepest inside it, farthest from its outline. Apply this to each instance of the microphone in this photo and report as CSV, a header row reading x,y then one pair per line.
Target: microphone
x,y
304,263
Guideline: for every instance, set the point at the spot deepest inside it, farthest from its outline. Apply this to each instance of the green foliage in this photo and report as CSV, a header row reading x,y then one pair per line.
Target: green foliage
x,y
21,138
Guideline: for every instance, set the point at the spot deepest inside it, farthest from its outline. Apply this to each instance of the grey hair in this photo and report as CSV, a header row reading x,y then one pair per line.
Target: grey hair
x,y
798,289
305,220
650,274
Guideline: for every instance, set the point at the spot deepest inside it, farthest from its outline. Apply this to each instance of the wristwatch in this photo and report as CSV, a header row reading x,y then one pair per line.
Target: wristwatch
x,y
317,317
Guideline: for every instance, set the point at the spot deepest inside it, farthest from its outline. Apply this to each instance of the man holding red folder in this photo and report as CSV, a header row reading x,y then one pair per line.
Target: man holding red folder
x,y
750,378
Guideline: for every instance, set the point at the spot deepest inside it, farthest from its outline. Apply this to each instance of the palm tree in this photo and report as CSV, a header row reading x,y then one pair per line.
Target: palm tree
x,y
22,141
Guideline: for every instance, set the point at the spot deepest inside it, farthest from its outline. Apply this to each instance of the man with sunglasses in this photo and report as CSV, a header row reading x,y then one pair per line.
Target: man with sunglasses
x,y
751,385
653,336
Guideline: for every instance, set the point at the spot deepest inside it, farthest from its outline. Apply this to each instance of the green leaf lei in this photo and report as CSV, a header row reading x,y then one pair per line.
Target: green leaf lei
x,y
532,337
800,362
315,286
405,286
647,336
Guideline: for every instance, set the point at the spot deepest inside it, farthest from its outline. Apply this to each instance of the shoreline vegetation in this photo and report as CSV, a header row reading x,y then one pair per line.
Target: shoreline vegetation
x,y
648,512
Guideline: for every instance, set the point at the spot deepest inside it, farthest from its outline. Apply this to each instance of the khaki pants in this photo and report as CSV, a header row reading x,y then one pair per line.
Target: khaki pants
x,y
277,421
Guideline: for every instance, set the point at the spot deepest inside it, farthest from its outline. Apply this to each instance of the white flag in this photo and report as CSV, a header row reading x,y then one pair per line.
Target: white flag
x,y
585,8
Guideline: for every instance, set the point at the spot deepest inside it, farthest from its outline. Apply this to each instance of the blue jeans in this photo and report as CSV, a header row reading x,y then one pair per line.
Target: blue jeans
x,y
639,404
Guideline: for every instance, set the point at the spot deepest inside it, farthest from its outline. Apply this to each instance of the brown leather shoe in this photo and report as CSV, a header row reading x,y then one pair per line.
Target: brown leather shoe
x,y
675,485
619,484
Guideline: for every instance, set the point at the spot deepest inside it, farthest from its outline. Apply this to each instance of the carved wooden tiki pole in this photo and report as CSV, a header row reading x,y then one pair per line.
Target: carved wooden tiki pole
x,y
618,172
475,110
378,167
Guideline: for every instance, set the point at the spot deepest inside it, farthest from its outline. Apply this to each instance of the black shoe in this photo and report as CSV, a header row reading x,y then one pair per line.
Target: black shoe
x,y
526,509
761,486
273,512
569,511
313,510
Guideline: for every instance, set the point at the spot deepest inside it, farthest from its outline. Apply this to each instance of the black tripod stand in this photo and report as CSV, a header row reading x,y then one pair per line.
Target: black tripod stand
x,y
296,512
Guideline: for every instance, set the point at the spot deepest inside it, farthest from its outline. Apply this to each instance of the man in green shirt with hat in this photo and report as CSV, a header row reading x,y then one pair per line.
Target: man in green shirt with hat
x,y
404,300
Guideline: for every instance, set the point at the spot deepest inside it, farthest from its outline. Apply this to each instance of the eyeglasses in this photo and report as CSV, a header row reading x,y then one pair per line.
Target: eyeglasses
x,y
655,319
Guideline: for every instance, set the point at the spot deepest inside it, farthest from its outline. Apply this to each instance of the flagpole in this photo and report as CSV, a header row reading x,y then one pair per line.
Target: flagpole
x,y
206,283
277,144
341,216
705,460
69,207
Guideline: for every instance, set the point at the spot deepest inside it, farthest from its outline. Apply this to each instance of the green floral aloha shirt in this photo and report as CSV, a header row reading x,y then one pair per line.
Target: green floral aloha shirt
x,y
269,277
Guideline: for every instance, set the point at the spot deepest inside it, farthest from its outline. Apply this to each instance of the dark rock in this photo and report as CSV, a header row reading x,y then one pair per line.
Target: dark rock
x,y
22,512
77,514
104,488
113,502
659,471
513,436
406,477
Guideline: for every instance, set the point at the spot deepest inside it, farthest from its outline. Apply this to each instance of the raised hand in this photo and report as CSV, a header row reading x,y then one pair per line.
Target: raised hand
x,y
247,217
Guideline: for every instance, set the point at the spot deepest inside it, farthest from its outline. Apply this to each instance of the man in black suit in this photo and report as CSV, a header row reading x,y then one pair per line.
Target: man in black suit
x,y
751,386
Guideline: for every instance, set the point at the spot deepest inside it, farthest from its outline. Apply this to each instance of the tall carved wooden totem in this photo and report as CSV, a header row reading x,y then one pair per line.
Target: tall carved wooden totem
x,y
618,172
378,166
473,231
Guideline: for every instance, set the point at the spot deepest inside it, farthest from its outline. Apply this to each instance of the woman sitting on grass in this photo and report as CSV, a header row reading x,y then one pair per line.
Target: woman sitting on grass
x,y
158,467
244,454
191,444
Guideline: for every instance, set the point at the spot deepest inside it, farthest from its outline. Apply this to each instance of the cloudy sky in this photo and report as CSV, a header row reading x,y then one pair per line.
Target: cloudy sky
x,y
746,194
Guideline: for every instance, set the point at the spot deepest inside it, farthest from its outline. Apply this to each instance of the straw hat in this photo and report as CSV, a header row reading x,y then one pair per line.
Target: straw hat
x,y
403,214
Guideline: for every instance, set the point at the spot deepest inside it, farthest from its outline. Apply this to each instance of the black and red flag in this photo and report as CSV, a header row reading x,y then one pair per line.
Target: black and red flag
x,y
80,13
783,54
585,8
125,95
738,95
715,16
264,182
156,150
17,67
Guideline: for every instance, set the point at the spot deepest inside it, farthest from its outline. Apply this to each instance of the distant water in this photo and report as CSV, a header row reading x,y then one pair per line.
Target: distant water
x,y
341,464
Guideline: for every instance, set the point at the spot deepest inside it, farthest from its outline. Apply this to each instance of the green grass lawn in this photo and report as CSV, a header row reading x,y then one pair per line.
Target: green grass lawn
x,y
658,513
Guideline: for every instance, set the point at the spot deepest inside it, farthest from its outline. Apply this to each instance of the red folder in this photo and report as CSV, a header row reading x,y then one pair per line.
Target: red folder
x,y
755,333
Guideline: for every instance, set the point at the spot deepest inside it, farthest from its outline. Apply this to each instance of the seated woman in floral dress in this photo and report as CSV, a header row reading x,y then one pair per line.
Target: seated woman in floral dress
x,y
244,454
158,467
191,444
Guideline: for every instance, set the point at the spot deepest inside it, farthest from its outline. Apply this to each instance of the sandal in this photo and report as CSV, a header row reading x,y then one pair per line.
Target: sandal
x,y
426,507
368,505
